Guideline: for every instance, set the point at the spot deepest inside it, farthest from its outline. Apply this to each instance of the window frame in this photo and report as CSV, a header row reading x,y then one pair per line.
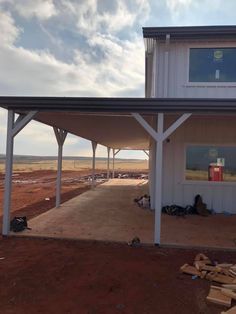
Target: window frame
x,y
207,46
204,182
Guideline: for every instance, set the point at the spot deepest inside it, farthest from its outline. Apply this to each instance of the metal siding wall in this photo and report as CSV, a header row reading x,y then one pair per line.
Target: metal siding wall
x,y
198,130
178,75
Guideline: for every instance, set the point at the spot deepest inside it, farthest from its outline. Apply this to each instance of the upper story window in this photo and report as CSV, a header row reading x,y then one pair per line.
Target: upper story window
x,y
212,65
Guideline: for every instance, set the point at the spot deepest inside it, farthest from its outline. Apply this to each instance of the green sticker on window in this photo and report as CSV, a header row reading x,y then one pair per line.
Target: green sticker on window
x,y
218,55
213,153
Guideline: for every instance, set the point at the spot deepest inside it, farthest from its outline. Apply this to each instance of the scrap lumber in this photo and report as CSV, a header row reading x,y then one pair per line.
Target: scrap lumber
x,y
202,257
222,273
224,265
211,268
229,293
212,276
216,296
233,267
232,272
230,311
203,274
198,264
231,287
191,270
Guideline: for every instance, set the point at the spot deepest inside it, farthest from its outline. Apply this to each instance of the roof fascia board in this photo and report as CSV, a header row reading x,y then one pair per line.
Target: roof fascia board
x,y
119,105
191,32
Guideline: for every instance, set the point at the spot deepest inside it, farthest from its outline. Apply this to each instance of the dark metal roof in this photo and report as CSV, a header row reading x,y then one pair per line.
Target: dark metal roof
x,y
119,105
191,32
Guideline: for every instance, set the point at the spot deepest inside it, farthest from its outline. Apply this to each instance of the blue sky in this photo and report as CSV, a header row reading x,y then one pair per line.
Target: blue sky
x,y
84,48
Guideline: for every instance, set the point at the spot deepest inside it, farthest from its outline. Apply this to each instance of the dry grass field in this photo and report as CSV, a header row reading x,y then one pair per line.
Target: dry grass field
x,y
29,165
200,175
34,179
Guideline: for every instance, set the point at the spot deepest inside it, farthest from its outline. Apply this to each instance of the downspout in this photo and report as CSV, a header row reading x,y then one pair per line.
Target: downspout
x,y
166,65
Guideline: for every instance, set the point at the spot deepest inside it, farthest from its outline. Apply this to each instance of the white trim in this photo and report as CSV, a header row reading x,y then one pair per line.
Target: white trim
x,y
94,147
60,136
21,122
13,128
8,173
146,152
108,163
146,126
175,125
118,150
209,183
158,180
166,65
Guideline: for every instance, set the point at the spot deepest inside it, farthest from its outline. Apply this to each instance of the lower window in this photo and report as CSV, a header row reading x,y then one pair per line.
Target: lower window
x,y
210,163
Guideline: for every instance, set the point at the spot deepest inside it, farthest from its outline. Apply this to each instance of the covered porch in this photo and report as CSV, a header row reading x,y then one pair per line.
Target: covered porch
x,y
117,123
109,213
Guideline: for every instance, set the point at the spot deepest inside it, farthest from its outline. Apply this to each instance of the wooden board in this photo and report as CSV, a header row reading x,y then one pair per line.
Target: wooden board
x,y
230,311
215,296
220,278
191,270
231,287
201,257
210,268
229,293
225,265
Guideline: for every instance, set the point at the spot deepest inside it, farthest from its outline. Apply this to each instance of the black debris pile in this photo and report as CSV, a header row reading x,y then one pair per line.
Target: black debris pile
x,y
143,201
175,210
18,224
135,242
198,208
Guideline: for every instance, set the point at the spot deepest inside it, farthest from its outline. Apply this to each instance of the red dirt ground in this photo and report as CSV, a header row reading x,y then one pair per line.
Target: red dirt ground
x,y
30,189
61,276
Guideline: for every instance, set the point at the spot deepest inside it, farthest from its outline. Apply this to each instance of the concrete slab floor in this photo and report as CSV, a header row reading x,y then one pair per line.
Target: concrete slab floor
x,y
106,213
109,213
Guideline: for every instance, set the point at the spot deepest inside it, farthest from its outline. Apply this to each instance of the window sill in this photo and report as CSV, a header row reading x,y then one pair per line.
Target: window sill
x,y
209,183
209,85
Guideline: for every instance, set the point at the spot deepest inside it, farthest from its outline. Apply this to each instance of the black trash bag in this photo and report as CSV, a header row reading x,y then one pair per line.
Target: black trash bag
x,y
200,207
174,210
190,210
18,224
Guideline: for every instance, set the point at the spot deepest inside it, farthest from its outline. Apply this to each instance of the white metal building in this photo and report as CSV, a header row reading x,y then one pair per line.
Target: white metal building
x,y
187,119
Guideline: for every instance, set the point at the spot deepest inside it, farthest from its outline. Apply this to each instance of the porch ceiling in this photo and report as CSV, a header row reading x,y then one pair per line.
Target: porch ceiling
x,y
109,130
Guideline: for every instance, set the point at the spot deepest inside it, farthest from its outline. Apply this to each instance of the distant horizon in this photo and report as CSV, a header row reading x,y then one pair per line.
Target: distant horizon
x,y
69,157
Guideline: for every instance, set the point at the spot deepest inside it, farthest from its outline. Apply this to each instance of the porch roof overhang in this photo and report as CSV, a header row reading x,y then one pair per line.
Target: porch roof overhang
x,y
109,121
119,105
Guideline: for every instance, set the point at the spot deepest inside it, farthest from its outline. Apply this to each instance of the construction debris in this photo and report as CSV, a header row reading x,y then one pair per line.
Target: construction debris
x,y
135,242
143,201
198,208
231,311
216,296
224,274
191,270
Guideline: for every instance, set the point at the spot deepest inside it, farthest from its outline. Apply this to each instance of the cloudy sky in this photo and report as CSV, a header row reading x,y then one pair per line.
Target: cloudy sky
x,y
84,48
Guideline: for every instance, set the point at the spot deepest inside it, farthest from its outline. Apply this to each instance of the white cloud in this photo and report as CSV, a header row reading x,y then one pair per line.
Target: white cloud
x,y
90,19
39,72
42,9
122,66
9,32
178,4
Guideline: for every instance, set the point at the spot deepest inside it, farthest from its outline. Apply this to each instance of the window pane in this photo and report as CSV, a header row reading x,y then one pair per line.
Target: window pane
x,y
211,163
212,65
